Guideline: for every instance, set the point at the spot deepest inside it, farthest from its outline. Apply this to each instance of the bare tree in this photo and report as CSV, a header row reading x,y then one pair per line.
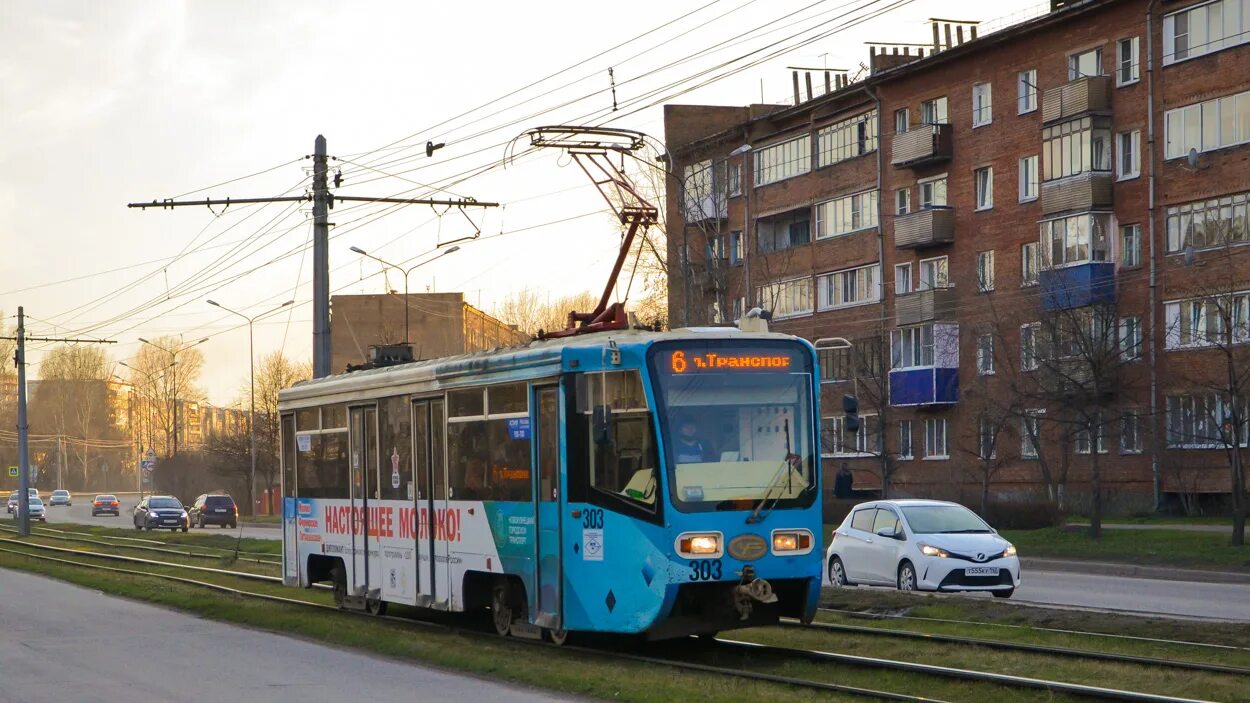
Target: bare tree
x,y
533,312
162,383
72,401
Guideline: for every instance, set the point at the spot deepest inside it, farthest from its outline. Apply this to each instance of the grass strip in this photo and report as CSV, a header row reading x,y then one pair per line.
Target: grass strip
x,y
1212,551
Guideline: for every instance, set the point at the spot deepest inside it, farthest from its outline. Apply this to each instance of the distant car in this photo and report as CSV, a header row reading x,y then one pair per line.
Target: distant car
x,y
12,502
106,505
213,510
36,510
160,513
60,497
33,492
926,545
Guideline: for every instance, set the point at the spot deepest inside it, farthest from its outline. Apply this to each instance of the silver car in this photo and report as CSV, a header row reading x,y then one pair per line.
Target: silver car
x,y
60,497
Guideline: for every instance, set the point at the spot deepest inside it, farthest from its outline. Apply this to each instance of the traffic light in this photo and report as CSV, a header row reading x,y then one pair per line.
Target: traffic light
x,y
850,407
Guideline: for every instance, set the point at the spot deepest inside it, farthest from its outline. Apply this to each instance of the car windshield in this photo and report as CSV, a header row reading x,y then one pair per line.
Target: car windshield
x,y
60,493
219,501
164,503
943,519
35,501
736,419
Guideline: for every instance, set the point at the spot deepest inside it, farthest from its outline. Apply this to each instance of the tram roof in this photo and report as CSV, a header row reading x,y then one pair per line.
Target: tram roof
x,y
448,370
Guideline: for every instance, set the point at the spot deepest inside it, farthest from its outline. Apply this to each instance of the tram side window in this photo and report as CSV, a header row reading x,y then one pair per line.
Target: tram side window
x,y
489,443
421,447
321,465
617,429
395,449
288,455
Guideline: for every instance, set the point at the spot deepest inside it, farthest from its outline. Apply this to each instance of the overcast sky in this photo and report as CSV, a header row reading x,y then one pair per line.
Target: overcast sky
x,y
103,103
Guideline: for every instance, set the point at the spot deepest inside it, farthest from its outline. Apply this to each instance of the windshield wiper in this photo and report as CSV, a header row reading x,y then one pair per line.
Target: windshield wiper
x,y
775,483
979,530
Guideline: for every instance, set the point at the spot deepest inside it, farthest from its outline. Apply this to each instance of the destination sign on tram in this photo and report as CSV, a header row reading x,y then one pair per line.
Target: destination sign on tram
x,y
727,360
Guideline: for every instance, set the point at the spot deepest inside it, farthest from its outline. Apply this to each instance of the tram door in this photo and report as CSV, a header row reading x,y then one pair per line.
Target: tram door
x,y
440,565
424,439
547,508
362,423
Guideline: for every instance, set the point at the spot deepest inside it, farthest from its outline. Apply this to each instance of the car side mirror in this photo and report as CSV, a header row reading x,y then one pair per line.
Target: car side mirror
x,y
887,532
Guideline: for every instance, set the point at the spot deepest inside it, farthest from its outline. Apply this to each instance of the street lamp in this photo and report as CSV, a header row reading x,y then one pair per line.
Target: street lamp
x,y
251,361
173,358
362,252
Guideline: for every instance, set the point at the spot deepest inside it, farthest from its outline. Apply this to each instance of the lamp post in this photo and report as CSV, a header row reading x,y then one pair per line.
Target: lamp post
x,y
173,360
147,411
251,362
387,264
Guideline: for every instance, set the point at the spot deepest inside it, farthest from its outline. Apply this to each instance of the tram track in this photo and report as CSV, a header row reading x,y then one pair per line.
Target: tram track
x,y
88,538
149,542
751,648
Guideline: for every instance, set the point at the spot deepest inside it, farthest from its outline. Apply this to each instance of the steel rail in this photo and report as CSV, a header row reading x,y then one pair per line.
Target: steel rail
x,y
1023,647
150,562
146,548
152,541
950,621
688,666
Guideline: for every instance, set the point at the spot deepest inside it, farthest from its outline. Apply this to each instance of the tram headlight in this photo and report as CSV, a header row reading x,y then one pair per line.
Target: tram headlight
x,y
792,542
699,544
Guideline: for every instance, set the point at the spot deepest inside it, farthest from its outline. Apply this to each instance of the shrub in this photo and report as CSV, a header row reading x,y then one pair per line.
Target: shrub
x,y
1023,515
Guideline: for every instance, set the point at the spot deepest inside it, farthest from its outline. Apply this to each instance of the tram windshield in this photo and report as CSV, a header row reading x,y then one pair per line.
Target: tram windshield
x,y
736,419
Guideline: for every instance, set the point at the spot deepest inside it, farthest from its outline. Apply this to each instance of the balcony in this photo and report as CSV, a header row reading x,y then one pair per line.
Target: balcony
x,y
925,144
1077,286
932,385
925,306
927,227
1084,191
1083,95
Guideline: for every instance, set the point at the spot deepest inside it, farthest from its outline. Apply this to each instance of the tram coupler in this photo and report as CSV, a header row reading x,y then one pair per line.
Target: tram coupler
x,y
751,590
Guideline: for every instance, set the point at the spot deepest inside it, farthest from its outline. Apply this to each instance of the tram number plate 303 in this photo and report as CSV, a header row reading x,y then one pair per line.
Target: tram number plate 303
x,y
706,570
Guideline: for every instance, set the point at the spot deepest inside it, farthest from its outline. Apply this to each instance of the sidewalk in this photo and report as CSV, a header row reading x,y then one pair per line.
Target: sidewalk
x,y
1103,568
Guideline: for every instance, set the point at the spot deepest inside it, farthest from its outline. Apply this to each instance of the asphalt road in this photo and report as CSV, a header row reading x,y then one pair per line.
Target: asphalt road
x,y
80,512
65,643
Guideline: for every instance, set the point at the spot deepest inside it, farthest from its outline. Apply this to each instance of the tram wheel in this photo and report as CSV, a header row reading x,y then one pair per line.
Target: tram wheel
x,y
501,609
557,637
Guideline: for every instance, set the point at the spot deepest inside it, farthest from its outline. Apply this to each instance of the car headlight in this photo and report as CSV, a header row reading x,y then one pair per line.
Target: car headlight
x,y
1010,551
931,551
792,541
699,544
184,515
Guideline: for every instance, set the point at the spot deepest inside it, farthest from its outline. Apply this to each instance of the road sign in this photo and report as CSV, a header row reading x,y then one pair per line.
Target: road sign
x,y
14,471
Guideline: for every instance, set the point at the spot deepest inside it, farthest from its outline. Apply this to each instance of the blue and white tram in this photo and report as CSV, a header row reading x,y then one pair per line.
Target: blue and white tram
x,y
626,481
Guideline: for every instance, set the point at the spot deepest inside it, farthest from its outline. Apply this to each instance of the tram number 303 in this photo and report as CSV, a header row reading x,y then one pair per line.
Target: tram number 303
x,y
705,570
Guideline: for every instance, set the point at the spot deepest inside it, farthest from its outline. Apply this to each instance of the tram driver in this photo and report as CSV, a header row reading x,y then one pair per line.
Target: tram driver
x,y
690,449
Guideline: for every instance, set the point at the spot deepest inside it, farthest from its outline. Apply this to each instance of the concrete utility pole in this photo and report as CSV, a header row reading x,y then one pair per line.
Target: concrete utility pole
x,y
322,201
23,429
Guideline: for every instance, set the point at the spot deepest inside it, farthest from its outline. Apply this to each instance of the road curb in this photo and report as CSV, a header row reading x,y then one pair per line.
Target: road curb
x,y
1102,568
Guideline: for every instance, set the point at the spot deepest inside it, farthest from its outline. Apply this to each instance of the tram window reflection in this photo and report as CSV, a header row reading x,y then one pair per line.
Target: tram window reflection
x,y
321,465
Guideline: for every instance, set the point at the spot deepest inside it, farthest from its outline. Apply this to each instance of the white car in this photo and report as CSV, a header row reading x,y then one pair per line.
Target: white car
x,y
928,545
36,510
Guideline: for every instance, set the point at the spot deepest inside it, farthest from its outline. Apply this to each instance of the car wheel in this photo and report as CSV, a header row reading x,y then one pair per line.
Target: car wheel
x,y
184,528
837,574
906,577
1005,593
138,527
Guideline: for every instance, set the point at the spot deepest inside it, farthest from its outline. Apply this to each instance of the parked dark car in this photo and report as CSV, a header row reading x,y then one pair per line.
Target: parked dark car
x,y
106,505
160,513
214,510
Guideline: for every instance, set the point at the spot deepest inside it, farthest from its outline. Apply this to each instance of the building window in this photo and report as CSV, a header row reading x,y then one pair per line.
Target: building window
x,y
1203,421
1076,239
982,104
1081,441
987,438
847,214
704,192
1030,433
735,180
715,249
787,298
985,355
985,271
846,139
1209,223
902,201
1130,432
784,231
934,273
1130,246
935,438
834,442
1028,264
1207,126
1085,64
1127,67
902,279
1130,338
1204,322
1077,146
900,121
1028,346
778,162
1026,91
849,287
912,347
905,450
933,192
735,247
1128,164
1028,178
835,364
934,111
984,180
1205,29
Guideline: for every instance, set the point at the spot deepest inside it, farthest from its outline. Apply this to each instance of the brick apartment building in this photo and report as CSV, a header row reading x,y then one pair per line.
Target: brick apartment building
x,y
1033,242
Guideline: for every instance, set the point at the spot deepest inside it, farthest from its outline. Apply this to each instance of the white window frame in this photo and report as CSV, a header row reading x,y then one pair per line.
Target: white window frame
x,y
1032,416
982,104
1131,417
865,441
1029,178
901,119
985,355
847,139
1191,323
1190,126
1133,65
765,298
903,282
1229,213
1133,139
932,184
983,186
783,160
985,271
1030,334
939,107
1030,264
906,447
902,201
910,349
1026,91
936,439
985,431
1074,60
833,282
941,276
1081,443
1130,246
1230,10
1130,338
859,209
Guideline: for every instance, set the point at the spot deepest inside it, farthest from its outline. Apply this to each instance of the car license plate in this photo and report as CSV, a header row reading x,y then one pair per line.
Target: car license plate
x,y
981,571
219,510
